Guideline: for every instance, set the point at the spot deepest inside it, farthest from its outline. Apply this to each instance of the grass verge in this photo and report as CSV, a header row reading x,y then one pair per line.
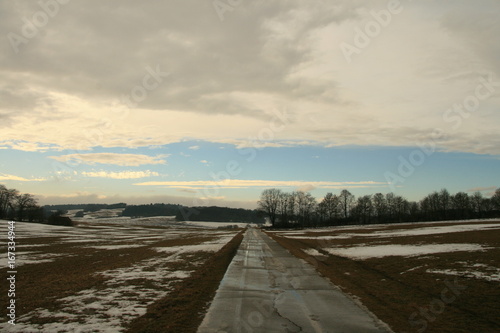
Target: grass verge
x,y
183,309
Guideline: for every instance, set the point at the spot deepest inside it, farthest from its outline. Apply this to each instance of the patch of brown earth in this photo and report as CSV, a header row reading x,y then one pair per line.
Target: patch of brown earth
x,y
76,269
183,309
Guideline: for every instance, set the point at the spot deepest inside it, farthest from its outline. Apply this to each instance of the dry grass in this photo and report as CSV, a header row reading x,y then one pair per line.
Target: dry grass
x,y
400,291
138,264
183,309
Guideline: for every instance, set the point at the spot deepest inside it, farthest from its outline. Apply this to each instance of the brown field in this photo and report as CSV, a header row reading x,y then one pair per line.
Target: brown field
x,y
445,291
96,278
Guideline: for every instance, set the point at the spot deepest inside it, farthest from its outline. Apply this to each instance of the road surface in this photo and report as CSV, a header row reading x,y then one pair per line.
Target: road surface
x,y
266,289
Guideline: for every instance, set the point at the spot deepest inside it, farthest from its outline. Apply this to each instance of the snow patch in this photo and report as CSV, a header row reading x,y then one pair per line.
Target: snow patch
x,y
380,251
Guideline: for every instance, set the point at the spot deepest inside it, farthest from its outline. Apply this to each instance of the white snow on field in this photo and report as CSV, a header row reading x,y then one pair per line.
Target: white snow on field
x,y
433,230
210,246
313,252
104,237
424,230
127,291
472,270
341,236
157,221
380,251
216,224
115,247
468,273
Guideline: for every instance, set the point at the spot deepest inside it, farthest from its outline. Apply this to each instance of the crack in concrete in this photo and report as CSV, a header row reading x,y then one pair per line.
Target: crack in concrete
x,y
275,306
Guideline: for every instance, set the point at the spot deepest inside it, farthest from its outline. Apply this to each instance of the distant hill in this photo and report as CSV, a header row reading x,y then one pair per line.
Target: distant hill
x,y
220,214
83,207
182,213
151,210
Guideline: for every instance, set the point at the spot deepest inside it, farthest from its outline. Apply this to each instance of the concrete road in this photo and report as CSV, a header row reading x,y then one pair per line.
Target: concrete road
x,y
266,289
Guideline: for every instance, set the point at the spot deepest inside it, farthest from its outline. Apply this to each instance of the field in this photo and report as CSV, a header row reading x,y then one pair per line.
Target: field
x,y
151,274
432,277
99,277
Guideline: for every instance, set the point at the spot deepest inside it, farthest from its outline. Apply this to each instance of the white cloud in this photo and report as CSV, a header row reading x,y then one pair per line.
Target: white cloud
x,y
194,147
81,195
28,146
306,188
217,198
86,197
4,176
111,158
120,174
482,189
240,183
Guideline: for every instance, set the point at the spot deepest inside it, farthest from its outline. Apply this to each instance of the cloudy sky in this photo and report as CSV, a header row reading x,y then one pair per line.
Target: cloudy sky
x,y
210,102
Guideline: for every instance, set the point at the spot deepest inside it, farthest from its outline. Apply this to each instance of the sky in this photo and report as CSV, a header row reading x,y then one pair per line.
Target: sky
x,y
210,102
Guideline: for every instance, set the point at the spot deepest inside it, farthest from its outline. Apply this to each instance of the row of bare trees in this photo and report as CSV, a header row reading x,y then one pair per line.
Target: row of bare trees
x,y
19,206
302,209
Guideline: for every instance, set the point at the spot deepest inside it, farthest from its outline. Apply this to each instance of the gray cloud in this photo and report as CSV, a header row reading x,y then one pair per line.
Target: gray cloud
x,y
263,55
99,49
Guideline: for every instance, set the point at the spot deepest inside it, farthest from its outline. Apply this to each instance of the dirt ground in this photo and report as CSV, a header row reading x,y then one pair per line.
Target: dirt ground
x,y
410,293
100,278
183,309
403,291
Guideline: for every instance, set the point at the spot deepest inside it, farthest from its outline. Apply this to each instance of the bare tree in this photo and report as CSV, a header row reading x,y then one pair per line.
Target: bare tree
x,y
286,207
330,207
379,206
7,200
445,202
402,207
460,204
496,199
364,208
24,202
477,203
306,205
346,200
269,203
390,202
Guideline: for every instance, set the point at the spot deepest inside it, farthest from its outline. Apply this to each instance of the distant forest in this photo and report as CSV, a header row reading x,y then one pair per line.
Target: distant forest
x,y
284,209
220,214
181,213
301,209
84,207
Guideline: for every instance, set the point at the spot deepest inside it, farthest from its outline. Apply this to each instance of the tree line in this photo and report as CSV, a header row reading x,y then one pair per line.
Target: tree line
x,y
219,214
16,206
19,206
157,209
301,209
